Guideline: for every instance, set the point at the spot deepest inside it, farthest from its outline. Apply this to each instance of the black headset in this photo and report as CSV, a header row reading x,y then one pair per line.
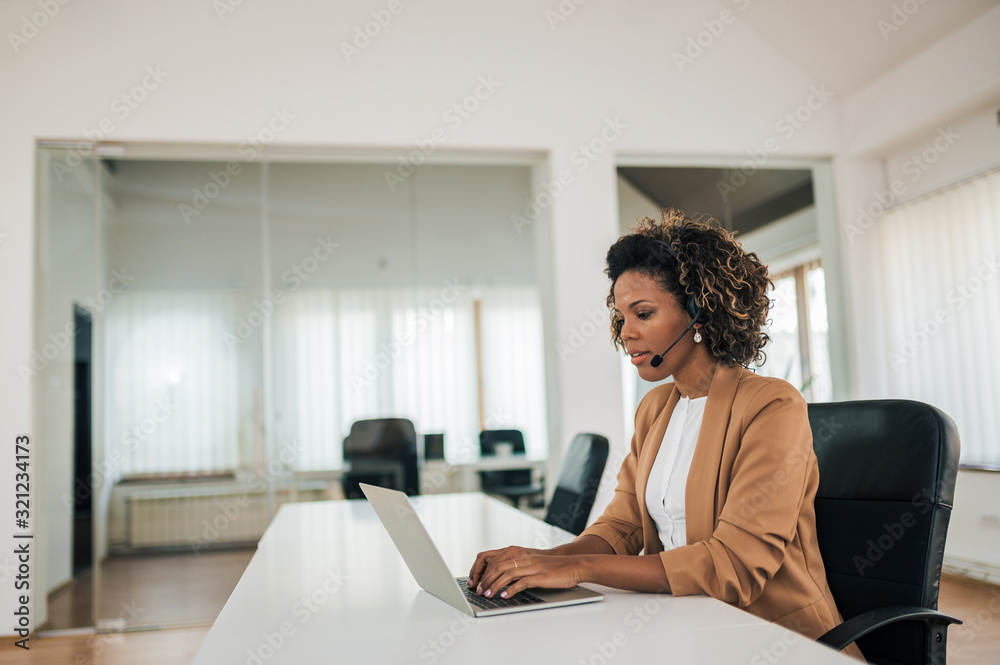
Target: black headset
x,y
694,309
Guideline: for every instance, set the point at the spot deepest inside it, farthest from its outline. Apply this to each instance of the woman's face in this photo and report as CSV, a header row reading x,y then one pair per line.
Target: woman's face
x,y
651,321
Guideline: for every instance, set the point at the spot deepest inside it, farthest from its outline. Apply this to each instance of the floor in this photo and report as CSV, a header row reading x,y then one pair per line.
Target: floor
x,y
977,640
173,582
174,646
153,590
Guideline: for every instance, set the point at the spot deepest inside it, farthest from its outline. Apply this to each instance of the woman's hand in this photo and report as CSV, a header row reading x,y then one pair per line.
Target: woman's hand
x,y
490,559
493,560
527,570
586,559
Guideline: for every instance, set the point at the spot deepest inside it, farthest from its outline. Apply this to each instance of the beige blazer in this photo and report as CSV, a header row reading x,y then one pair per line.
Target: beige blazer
x,y
751,525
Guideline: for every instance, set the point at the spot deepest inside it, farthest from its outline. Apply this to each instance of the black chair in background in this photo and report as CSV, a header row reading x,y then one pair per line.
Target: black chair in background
x,y
513,484
576,490
433,446
887,481
382,452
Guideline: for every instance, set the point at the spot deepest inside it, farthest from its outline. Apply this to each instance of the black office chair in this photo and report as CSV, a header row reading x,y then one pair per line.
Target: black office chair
x,y
576,490
382,452
514,484
887,480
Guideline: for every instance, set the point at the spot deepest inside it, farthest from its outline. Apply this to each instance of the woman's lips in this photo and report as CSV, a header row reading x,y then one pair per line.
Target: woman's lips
x,y
639,357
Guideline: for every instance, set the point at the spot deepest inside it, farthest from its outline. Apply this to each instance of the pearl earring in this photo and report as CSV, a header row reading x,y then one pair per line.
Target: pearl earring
x,y
697,337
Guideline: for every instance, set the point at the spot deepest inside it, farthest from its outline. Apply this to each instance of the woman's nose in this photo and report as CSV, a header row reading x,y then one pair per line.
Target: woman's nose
x,y
626,331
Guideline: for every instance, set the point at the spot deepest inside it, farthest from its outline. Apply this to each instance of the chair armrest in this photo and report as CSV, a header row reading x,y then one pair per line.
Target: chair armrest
x,y
859,626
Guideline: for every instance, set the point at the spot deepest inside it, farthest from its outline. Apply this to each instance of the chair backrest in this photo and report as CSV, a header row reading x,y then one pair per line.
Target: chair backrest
x,y
380,449
887,482
434,446
581,473
488,440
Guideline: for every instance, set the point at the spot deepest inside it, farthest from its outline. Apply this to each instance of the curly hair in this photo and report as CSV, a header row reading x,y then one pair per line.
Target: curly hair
x,y
729,283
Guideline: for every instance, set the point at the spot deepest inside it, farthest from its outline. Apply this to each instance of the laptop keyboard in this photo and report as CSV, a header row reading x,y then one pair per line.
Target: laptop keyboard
x,y
496,602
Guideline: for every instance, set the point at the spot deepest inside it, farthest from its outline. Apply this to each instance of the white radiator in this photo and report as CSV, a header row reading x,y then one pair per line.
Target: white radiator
x,y
197,518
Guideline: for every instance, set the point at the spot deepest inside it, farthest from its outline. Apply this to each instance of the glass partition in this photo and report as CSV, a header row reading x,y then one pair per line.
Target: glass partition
x,y
388,292
241,316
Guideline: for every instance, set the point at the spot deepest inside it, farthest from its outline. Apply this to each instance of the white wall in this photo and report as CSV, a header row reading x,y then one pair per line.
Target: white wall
x,y
633,205
890,129
974,535
786,242
956,148
942,85
604,77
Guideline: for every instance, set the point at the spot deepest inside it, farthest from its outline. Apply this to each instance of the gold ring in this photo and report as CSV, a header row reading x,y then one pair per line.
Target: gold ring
x,y
515,563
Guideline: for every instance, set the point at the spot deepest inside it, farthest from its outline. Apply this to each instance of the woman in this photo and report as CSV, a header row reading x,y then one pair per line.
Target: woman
x,y
719,485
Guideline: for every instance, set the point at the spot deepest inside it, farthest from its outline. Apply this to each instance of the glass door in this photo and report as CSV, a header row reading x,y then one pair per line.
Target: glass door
x,y
219,326
60,374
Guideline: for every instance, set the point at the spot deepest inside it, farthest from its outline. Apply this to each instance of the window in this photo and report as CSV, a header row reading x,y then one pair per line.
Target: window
x,y
798,327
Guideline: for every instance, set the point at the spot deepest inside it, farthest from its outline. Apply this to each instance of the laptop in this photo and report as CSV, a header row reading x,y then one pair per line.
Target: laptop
x,y
431,572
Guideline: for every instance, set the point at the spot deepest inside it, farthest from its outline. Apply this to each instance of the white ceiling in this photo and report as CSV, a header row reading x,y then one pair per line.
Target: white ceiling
x,y
840,43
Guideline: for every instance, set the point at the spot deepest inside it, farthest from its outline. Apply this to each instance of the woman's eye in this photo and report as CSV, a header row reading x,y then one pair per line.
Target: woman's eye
x,y
643,315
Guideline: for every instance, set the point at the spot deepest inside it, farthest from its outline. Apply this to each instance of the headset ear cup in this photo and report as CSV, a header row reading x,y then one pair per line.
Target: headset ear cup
x,y
694,309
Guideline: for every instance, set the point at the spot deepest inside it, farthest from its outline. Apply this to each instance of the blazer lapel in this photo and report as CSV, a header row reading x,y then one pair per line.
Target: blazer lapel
x,y
701,495
647,455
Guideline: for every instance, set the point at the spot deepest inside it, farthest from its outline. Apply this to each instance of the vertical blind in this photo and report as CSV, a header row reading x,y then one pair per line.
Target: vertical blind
x,y
342,356
513,365
942,308
173,384
178,397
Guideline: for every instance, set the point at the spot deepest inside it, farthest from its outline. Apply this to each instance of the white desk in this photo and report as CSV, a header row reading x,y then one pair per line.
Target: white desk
x,y
439,476
326,585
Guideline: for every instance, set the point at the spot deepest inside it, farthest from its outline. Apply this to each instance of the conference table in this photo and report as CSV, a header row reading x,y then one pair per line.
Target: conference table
x,y
326,585
436,476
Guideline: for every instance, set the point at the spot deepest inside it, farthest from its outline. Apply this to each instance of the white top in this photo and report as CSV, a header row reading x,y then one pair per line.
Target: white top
x,y
668,477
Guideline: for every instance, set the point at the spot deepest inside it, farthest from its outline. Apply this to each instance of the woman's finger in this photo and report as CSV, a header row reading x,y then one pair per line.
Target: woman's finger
x,y
504,573
517,587
490,577
479,565
487,559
